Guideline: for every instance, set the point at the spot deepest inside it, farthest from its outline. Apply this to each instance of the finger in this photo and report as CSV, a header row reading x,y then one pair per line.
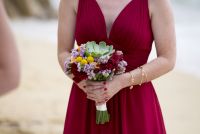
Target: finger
x,y
91,95
96,92
91,98
106,97
96,97
107,92
90,87
95,83
100,103
83,82
96,100
81,85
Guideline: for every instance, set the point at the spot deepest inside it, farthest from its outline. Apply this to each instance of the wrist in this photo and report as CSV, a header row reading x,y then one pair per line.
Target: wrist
x,y
124,80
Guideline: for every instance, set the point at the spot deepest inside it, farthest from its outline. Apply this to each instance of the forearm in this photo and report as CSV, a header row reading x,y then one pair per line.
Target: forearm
x,y
153,69
62,57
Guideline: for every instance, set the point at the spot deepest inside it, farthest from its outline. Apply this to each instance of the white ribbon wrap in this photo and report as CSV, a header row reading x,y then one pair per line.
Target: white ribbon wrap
x,y
102,107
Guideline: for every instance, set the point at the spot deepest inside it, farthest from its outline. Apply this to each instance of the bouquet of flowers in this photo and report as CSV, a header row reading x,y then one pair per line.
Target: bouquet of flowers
x,y
96,62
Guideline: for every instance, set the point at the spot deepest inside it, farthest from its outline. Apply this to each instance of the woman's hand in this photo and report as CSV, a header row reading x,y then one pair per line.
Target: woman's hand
x,y
94,90
88,86
106,92
113,87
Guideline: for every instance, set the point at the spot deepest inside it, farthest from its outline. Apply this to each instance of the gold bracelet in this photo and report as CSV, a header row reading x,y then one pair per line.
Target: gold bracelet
x,y
143,73
132,80
140,68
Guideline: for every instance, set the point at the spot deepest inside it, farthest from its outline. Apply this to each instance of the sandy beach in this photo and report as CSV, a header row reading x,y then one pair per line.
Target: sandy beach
x,y
39,105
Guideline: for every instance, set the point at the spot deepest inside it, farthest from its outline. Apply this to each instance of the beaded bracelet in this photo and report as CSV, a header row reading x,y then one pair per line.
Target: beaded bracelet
x,y
132,80
143,73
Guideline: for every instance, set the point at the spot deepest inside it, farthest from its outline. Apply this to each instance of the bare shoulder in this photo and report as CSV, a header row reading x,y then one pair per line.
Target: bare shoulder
x,y
160,7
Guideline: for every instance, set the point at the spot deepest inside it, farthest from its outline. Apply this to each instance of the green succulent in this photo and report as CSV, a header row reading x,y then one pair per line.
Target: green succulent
x,y
98,50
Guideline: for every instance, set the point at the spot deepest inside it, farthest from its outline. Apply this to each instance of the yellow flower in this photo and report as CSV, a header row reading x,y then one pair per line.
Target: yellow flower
x,y
84,61
90,59
79,59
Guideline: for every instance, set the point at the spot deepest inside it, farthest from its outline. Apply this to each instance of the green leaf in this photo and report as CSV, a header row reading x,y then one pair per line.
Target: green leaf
x,y
98,50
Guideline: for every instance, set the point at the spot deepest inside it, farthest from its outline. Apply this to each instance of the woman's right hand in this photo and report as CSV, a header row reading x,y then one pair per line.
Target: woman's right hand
x,y
87,85
93,89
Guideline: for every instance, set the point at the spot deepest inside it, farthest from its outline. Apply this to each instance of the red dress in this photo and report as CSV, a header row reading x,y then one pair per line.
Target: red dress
x,y
135,111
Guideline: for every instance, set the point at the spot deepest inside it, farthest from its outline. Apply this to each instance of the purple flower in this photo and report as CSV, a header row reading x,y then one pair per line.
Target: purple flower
x,y
79,67
67,65
106,72
103,59
74,53
121,67
123,63
82,50
91,75
88,67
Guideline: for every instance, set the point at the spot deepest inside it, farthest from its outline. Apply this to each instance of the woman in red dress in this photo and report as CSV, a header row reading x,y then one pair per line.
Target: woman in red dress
x,y
130,26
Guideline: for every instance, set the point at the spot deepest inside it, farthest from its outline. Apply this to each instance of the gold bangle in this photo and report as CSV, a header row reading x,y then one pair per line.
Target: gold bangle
x,y
143,73
140,68
132,80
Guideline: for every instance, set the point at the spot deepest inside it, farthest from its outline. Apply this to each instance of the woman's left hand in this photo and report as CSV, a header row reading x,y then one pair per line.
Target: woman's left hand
x,y
112,87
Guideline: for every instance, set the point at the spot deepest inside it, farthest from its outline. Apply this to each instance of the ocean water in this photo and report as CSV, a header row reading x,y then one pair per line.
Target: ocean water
x,y
187,21
187,17
55,3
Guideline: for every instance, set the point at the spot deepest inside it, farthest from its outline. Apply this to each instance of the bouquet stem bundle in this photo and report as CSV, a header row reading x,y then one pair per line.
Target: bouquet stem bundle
x,y
102,115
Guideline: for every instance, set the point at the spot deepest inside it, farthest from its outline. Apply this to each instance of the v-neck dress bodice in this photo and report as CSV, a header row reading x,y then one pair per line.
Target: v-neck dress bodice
x,y
135,111
130,32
